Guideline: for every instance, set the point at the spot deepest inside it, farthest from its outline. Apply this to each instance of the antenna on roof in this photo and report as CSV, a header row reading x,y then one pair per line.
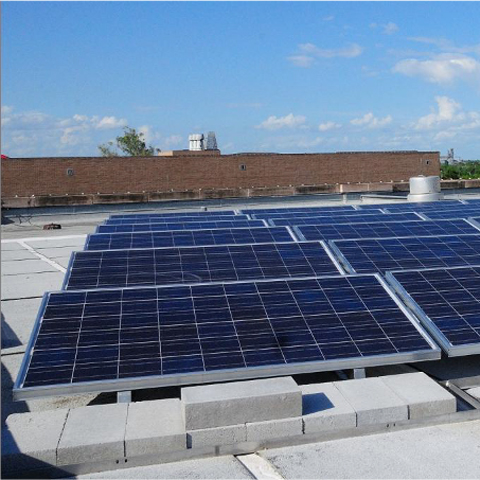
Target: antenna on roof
x,y
211,141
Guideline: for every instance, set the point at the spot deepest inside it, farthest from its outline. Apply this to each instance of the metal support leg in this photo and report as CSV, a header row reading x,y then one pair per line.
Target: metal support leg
x,y
359,373
124,397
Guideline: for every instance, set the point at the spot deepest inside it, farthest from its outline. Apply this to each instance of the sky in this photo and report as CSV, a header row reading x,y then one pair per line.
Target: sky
x,y
265,76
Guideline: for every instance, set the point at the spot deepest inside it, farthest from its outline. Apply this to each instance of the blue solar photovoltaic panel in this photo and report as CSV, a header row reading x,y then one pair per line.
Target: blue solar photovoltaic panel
x,y
163,227
262,211
385,230
409,206
380,255
448,303
353,213
175,214
457,213
111,340
146,220
187,238
163,266
337,219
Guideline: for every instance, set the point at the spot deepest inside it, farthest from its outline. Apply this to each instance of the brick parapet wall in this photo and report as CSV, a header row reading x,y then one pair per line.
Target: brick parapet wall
x,y
26,177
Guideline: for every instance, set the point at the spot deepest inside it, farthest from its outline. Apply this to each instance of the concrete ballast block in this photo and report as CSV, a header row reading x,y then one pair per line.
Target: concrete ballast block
x,y
154,427
274,429
211,437
373,401
93,433
235,403
325,409
30,439
423,395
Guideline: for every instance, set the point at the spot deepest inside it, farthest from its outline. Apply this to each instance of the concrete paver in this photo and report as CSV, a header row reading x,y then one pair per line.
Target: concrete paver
x,y
234,403
31,439
474,392
15,255
449,451
154,427
93,434
423,395
325,409
25,266
225,467
211,437
31,285
373,401
274,429
18,318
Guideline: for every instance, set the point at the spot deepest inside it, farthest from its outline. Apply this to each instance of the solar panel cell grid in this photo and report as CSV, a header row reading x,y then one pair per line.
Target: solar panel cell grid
x,y
450,300
167,227
174,214
123,334
298,209
408,206
380,255
353,213
148,220
338,219
385,230
128,268
456,213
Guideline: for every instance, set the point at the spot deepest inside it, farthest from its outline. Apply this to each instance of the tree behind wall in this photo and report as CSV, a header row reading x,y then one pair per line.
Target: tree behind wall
x,y
130,144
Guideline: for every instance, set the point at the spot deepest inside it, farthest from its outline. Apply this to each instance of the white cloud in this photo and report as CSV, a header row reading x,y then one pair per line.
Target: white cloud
x,y
329,18
288,121
370,121
110,122
324,127
442,69
308,52
448,110
390,28
6,109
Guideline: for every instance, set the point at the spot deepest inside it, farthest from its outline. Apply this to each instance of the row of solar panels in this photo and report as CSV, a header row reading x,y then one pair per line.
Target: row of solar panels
x,y
247,310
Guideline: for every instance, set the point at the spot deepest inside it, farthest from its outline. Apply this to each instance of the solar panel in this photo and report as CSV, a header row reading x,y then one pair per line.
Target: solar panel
x,y
352,213
338,219
408,206
384,230
380,255
447,301
146,220
261,211
187,238
165,227
113,340
457,213
163,266
176,214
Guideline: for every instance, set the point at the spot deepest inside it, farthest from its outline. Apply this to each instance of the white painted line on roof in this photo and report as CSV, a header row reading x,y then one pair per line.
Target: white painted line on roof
x,y
42,257
32,239
259,467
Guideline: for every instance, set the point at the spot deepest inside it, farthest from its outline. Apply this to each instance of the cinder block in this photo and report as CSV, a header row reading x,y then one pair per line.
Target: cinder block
x,y
93,433
274,429
325,409
373,401
30,439
423,395
235,403
154,427
474,392
211,437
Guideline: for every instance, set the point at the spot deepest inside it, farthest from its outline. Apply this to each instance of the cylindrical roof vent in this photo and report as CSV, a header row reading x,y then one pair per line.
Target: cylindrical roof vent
x,y
425,189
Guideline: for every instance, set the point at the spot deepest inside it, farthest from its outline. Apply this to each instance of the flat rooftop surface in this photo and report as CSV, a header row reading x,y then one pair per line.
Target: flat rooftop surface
x,y
34,261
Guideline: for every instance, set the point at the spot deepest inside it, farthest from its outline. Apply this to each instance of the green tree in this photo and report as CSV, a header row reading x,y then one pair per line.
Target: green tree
x,y
130,144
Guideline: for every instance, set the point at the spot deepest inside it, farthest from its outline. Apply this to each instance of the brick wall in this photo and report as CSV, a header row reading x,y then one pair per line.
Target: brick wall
x,y
25,177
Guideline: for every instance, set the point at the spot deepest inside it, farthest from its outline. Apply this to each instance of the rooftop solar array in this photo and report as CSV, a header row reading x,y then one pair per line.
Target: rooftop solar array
x,y
338,219
385,230
457,213
110,340
131,268
341,213
448,302
175,214
261,211
381,255
187,238
166,227
146,220
408,206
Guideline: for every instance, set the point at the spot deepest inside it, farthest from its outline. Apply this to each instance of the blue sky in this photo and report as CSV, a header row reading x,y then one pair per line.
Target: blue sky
x,y
270,76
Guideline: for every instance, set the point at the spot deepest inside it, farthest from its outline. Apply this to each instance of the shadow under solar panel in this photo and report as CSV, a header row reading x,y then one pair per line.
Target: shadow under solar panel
x,y
112,340
163,266
447,302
